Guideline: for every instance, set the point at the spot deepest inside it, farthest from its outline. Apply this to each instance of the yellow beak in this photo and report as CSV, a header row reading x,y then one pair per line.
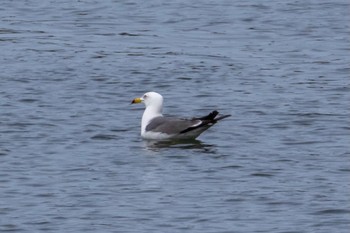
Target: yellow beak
x,y
136,101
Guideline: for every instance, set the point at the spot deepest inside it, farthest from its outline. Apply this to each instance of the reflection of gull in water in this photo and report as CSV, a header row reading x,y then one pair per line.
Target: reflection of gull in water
x,y
155,126
180,144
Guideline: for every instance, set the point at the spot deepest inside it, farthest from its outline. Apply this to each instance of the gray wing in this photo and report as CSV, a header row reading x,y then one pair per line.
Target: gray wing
x,y
171,125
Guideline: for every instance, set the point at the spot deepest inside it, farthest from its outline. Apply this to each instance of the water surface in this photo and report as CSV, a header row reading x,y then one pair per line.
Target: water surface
x,y
71,157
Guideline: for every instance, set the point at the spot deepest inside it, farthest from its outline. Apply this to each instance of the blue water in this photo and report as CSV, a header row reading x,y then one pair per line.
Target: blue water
x,y
71,156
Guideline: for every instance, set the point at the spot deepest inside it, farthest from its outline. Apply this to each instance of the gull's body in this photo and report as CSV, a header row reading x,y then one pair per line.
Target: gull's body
x,y
155,126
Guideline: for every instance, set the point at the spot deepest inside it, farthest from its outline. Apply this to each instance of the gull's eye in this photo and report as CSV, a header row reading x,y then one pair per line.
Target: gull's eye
x,y
145,96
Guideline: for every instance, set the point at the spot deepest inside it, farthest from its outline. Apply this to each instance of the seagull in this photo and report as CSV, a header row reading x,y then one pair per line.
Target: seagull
x,y
155,126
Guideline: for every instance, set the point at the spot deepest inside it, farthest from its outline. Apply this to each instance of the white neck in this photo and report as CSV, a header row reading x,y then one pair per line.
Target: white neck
x,y
150,113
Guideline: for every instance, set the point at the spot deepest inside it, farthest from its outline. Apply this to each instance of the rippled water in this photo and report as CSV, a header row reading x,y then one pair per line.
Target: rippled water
x,y
71,157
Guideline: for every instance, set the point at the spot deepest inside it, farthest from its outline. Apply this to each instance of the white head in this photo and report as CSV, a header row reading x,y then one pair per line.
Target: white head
x,y
154,106
150,99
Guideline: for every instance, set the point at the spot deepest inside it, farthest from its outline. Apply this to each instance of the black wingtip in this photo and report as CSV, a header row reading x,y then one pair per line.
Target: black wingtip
x,y
212,115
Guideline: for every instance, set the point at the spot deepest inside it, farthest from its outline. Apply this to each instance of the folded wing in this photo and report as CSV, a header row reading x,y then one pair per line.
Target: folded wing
x,y
173,126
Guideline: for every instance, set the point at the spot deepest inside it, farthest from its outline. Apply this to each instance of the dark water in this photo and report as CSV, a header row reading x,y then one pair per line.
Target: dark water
x,y
71,158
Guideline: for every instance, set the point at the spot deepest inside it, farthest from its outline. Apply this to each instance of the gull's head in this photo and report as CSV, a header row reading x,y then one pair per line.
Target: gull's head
x,y
150,99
